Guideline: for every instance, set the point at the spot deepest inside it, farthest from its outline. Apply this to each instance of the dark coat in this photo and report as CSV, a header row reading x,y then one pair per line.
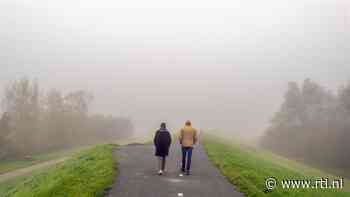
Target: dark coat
x,y
162,142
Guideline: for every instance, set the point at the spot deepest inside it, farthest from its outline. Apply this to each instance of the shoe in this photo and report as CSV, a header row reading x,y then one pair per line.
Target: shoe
x,y
160,172
183,170
188,173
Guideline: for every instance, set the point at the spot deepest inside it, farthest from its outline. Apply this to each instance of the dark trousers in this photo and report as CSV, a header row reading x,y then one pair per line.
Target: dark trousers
x,y
161,163
186,158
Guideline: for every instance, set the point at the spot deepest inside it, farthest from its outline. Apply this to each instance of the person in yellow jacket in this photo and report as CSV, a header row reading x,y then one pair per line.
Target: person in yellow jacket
x,y
187,137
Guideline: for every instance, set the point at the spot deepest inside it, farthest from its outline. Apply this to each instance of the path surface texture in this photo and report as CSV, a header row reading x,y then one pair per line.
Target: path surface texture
x,y
138,176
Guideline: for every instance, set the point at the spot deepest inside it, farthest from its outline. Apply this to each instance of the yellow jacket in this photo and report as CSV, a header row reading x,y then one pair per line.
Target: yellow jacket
x,y
188,136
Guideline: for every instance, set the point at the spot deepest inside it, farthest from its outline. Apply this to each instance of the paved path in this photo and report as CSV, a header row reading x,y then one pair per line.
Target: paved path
x,y
28,170
138,176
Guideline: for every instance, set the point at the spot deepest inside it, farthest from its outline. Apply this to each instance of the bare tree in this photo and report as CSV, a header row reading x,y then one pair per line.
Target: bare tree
x,y
36,122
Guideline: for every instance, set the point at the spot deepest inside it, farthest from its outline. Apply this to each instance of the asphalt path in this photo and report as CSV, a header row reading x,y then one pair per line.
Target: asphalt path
x,y
137,176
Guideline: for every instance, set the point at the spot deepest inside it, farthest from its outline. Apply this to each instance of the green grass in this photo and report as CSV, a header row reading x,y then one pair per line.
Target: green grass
x,y
11,165
6,186
87,174
248,168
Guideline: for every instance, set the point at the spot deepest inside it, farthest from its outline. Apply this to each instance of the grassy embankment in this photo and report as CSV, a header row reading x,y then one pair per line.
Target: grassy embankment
x,y
14,164
248,169
86,174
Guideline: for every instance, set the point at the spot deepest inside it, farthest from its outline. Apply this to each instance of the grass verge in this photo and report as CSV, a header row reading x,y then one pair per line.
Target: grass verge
x,y
11,165
248,170
87,174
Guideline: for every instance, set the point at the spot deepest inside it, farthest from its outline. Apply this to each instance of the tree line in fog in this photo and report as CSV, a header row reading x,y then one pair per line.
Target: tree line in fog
x,y
312,125
33,121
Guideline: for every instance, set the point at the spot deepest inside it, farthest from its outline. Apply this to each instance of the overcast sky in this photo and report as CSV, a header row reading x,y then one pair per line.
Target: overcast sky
x,y
223,64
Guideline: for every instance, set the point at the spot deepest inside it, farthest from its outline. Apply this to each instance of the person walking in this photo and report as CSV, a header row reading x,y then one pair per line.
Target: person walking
x,y
187,138
162,142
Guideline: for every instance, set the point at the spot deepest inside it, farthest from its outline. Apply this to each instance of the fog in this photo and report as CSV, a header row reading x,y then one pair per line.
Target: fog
x,y
222,64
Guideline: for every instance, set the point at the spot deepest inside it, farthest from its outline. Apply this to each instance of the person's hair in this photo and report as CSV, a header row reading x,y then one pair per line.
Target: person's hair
x,y
188,123
163,125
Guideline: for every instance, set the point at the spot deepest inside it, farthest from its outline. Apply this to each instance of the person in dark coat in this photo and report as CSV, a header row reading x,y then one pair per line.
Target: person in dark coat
x,y
162,142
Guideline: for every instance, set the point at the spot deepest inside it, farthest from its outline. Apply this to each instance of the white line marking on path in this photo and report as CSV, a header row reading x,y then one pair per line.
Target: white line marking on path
x,y
174,180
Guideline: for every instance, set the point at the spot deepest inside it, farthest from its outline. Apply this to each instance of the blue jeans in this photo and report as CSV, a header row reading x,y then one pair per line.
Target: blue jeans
x,y
186,156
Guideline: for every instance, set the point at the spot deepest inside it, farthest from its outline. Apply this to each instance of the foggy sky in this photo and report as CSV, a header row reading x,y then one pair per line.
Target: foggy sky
x,y
222,64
